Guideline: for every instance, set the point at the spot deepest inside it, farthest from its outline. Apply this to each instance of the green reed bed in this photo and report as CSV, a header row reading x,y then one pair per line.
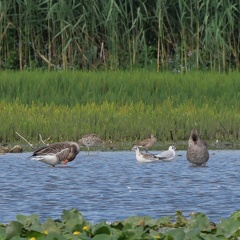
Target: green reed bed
x,y
113,34
121,106
151,88
119,123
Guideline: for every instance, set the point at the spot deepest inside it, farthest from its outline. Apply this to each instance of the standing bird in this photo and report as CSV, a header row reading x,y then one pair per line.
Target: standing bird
x,y
144,157
167,155
197,152
57,153
147,143
90,140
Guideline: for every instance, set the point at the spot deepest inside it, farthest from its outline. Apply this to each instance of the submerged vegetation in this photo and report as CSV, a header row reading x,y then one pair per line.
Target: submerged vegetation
x,y
73,226
119,106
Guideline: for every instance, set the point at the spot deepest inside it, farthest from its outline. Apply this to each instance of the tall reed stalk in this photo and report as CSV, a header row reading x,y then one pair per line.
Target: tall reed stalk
x,y
113,34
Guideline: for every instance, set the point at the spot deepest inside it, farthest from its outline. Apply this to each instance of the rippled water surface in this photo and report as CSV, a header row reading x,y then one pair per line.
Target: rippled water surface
x,y
109,186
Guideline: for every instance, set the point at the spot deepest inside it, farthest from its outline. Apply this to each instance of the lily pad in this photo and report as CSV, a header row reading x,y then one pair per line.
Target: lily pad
x,y
14,228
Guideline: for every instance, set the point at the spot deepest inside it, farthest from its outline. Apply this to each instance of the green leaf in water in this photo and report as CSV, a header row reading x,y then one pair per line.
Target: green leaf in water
x,y
177,233
14,228
102,228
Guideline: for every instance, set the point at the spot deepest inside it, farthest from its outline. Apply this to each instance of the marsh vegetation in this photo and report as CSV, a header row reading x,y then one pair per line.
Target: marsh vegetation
x,y
119,106
174,35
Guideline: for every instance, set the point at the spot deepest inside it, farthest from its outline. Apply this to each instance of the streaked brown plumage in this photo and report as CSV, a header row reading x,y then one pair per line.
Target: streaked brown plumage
x,y
197,152
147,143
90,140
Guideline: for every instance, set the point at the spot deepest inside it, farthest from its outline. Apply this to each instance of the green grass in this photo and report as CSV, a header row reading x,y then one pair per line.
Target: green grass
x,y
121,106
151,88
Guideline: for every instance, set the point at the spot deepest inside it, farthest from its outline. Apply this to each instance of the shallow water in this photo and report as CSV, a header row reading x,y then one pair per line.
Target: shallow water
x,y
110,186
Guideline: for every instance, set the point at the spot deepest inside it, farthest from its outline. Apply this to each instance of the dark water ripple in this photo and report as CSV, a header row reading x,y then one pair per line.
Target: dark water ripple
x,y
110,186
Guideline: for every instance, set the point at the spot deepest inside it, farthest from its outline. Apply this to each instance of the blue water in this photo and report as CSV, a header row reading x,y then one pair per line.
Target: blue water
x,y
111,186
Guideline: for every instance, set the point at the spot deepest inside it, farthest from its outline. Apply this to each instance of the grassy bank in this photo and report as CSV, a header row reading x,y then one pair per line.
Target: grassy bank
x,y
121,106
121,87
73,226
119,123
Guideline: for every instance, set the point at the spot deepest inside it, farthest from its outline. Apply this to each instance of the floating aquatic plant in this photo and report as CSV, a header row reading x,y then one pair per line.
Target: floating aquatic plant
x,y
72,225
